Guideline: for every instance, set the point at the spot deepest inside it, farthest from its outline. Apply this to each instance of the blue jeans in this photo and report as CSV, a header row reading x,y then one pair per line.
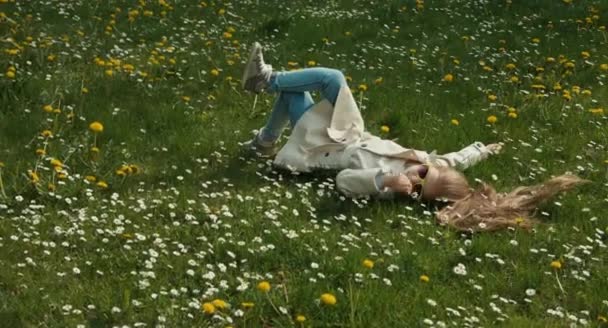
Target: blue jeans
x,y
294,98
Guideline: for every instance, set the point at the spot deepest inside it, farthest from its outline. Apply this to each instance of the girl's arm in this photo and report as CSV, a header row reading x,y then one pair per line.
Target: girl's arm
x,y
372,182
364,182
466,157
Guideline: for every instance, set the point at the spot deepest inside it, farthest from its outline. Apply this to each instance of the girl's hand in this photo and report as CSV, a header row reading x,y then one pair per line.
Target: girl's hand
x,y
398,183
494,148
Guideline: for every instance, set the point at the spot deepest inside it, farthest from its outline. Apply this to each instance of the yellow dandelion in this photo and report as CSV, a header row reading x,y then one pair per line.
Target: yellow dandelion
x,y
378,80
221,11
535,40
96,127
538,86
126,235
102,184
227,35
51,187
448,77
11,52
10,74
556,265
311,63
424,278
134,169
519,220
510,66
512,115
492,97
34,177
597,111
219,303
362,87
84,90
385,129
40,152
367,263
208,308
46,133
585,54
454,122
492,119
300,318
328,299
57,163
121,173
247,305
264,286
109,72
94,150
215,72
47,108
186,98
90,178
604,67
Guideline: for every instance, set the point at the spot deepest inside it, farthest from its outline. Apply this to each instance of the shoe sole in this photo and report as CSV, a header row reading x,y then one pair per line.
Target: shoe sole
x,y
252,54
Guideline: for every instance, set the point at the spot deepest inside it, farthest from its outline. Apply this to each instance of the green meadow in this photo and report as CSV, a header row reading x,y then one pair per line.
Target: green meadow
x,y
126,201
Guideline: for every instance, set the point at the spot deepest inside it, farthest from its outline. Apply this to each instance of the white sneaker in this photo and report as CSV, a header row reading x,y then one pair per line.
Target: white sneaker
x,y
257,73
260,148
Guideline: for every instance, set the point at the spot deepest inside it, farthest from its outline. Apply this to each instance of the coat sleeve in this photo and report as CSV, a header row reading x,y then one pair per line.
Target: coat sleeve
x,y
362,182
464,158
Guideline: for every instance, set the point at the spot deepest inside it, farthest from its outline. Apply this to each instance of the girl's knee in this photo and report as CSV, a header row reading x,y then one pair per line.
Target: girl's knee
x,y
336,77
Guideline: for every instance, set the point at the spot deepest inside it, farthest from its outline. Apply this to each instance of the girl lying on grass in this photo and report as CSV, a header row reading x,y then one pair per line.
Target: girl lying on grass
x,y
331,135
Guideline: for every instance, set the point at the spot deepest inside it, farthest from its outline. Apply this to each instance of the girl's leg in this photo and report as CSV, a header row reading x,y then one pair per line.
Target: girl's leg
x,y
326,80
289,106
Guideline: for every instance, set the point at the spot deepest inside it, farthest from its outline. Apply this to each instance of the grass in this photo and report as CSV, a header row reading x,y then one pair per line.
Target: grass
x,y
183,218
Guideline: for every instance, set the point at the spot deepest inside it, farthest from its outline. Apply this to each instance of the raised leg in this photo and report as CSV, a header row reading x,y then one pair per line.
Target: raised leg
x,y
327,81
289,106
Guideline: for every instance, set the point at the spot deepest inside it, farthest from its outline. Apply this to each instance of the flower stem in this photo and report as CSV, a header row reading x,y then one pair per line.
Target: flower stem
x,y
2,186
559,283
255,101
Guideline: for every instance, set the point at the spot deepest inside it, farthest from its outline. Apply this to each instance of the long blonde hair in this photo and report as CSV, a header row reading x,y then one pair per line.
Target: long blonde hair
x,y
486,210
454,185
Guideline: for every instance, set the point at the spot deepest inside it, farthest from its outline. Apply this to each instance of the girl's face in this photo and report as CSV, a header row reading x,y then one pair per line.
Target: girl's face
x,y
424,179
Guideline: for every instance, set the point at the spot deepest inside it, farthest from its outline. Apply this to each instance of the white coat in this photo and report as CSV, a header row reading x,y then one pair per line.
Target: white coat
x,y
334,137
